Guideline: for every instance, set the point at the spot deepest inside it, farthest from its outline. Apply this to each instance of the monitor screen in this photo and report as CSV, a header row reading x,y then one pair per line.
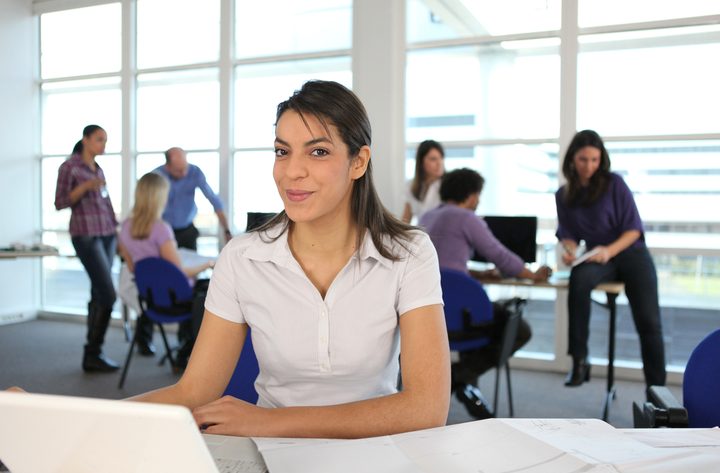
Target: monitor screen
x,y
257,219
518,234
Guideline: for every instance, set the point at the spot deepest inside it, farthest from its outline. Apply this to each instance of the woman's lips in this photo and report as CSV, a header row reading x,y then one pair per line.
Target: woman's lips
x,y
297,196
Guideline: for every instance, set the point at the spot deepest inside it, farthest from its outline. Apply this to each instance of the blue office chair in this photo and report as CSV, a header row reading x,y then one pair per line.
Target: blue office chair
x,y
165,296
701,383
242,382
701,391
469,320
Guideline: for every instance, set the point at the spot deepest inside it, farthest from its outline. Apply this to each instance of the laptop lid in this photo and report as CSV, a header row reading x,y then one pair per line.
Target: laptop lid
x,y
62,434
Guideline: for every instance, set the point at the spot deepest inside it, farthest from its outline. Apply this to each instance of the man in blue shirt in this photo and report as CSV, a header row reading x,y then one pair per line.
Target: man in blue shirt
x,y
180,210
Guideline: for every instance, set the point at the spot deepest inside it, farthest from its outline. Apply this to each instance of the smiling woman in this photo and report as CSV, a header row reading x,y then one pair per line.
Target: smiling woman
x,y
329,287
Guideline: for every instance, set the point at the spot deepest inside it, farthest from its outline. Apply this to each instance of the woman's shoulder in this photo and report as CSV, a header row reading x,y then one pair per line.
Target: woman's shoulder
x,y
415,242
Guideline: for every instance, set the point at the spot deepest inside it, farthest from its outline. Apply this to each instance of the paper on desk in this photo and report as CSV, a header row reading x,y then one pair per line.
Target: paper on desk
x,y
190,258
489,446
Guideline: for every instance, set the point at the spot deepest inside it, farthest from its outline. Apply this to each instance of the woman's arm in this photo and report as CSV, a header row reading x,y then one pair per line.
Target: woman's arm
x,y
169,252
569,248
211,365
407,213
606,253
423,402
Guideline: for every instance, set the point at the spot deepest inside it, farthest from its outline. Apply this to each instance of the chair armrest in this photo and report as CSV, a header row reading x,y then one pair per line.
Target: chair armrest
x,y
661,410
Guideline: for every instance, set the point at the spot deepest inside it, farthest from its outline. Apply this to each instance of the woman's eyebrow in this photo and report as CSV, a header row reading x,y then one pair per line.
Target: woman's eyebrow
x,y
312,142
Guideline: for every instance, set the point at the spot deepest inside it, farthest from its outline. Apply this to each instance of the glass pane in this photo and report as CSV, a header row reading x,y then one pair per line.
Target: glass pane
x,y
675,183
209,163
80,41
178,109
498,91
519,180
70,106
260,88
66,286
624,84
431,20
173,32
615,12
254,186
296,27
51,218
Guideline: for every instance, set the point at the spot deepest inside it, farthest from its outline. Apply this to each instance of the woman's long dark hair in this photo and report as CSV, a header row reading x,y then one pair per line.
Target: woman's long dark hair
x,y
333,104
87,132
417,187
598,182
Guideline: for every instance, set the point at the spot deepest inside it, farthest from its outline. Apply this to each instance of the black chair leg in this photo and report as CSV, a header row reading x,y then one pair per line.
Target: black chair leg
x,y
168,350
127,360
497,390
509,388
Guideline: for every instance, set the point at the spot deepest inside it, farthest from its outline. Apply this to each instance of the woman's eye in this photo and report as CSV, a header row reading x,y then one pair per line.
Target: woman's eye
x,y
279,152
319,152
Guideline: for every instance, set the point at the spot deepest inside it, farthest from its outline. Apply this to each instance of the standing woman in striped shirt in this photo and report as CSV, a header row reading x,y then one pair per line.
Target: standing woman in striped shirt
x,y
81,186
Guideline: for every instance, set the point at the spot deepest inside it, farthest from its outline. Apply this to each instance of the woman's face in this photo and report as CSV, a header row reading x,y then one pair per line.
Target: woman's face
x,y
587,162
95,143
433,164
313,172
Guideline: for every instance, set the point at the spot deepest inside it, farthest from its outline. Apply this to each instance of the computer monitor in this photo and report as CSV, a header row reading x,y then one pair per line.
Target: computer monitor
x,y
257,219
518,234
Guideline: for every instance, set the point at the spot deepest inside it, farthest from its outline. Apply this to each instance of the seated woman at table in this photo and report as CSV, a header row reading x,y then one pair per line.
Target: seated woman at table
x,y
146,235
597,206
422,191
456,230
330,287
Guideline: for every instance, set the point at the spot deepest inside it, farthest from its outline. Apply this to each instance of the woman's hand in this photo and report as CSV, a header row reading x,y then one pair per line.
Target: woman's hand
x,y
231,416
603,256
16,389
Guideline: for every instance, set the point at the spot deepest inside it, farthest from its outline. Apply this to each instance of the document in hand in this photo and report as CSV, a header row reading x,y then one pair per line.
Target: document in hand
x,y
492,445
583,257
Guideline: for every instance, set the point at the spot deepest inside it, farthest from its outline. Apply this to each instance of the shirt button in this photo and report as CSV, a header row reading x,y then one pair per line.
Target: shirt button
x,y
323,339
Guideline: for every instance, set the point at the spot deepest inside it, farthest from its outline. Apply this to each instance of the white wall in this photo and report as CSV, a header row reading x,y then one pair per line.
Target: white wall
x,y
19,170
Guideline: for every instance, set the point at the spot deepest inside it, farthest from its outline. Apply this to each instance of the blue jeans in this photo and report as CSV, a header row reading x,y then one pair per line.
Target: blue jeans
x,y
636,269
96,254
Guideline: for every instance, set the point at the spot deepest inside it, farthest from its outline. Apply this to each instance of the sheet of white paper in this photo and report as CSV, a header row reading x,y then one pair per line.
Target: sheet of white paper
x,y
190,258
377,455
234,454
672,438
588,254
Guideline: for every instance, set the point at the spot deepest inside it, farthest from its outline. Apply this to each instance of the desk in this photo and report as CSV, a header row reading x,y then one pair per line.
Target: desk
x,y
611,289
12,254
492,446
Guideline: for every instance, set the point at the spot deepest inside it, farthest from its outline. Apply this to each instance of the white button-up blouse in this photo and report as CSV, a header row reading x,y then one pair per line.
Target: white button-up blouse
x,y
314,351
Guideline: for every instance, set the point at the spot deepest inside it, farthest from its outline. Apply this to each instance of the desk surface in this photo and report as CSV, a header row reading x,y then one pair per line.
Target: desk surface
x,y
552,283
9,254
590,444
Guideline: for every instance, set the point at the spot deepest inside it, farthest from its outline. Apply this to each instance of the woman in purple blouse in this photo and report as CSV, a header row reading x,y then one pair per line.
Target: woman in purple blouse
x,y
597,206
81,186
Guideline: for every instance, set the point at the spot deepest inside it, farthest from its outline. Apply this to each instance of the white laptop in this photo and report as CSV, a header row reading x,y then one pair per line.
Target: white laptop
x,y
61,434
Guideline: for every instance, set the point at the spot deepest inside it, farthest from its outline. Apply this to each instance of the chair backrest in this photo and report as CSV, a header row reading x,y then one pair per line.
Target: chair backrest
x,y
163,290
242,382
701,383
465,301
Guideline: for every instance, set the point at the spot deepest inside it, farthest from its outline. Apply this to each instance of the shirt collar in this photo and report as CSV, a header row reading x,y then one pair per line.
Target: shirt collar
x,y
278,250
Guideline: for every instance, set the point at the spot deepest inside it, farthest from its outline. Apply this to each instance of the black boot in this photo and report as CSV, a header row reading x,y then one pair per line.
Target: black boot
x,y
93,359
580,372
144,327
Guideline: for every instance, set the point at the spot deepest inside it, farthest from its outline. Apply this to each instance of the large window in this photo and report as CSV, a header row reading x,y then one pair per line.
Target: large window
x,y
171,91
485,79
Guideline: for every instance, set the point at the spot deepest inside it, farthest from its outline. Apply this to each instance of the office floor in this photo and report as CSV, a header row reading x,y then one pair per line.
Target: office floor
x,y
44,356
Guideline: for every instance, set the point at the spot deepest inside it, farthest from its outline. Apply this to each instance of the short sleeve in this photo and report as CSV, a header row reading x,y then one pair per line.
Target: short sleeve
x,y
627,211
161,233
563,232
222,297
420,283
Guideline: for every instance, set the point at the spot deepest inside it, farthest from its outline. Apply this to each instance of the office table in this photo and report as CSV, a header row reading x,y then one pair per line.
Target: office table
x,y
13,254
611,289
